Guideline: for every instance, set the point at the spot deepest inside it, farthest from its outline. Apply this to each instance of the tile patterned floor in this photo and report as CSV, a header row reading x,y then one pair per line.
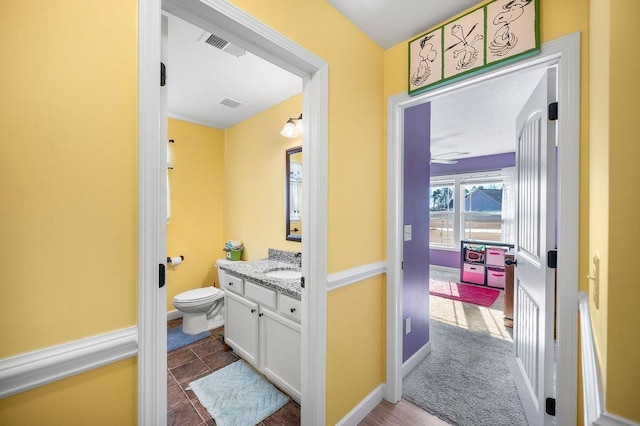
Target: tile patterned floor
x,y
197,360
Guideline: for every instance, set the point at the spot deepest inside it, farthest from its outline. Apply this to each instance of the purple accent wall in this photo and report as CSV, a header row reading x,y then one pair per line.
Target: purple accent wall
x,y
415,275
450,258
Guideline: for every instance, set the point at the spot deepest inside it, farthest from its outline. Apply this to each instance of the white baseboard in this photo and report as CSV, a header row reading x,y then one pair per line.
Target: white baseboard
x,y
415,359
595,412
32,369
445,269
175,314
360,411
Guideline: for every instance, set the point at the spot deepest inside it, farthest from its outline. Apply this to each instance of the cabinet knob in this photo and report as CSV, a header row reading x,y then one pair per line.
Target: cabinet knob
x,y
260,314
293,310
510,262
253,310
230,283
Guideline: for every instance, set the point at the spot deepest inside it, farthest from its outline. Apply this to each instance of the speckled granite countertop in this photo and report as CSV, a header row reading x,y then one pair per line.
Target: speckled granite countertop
x,y
255,271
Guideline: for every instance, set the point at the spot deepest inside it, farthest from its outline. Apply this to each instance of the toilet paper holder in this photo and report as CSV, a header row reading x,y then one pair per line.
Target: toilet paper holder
x,y
170,261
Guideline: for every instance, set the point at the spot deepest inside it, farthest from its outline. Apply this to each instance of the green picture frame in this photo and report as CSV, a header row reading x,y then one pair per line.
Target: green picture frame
x,y
494,34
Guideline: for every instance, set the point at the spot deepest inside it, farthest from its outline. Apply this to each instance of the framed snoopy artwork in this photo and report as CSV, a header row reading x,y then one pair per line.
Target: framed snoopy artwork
x,y
498,32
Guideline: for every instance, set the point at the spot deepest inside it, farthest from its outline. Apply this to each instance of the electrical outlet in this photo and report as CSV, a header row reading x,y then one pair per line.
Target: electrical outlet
x,y
595,266
407,325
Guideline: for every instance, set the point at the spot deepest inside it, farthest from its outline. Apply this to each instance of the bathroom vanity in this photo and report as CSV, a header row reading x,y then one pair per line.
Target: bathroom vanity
x,y
262,319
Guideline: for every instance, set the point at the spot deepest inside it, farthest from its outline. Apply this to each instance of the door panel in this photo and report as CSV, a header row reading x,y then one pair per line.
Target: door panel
x,y
534,281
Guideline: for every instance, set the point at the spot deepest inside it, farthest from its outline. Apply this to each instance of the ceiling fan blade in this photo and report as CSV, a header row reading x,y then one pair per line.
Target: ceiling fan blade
x,y
446,154
441,161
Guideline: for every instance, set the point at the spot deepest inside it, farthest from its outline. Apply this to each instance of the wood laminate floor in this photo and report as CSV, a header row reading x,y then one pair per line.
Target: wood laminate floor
x,y
403,413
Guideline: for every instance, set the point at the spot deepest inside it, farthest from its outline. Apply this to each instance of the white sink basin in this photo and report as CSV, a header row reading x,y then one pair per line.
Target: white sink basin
x,y
284,274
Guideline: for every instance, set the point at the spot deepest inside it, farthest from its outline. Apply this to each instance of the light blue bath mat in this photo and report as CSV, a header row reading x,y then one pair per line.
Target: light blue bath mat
x,y
237,395
176,338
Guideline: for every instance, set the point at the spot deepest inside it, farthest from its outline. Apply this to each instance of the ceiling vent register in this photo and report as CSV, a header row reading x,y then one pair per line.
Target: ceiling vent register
x,y
232,103
225,46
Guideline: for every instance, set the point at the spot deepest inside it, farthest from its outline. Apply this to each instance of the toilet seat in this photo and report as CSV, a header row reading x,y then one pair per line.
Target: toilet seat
x,y
198,295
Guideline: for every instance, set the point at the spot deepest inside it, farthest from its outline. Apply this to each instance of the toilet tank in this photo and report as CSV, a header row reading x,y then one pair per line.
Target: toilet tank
x,y
221,273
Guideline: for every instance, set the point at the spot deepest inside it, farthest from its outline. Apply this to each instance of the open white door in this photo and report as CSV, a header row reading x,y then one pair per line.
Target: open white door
x,y
534,280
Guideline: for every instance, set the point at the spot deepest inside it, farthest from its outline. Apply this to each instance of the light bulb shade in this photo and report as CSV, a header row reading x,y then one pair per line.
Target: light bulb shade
x,y
289,130
299,125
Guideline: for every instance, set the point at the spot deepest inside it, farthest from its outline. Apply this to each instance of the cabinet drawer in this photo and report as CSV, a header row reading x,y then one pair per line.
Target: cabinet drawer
x,y
473,273
290,307
495,277
264,296
495,256
233,284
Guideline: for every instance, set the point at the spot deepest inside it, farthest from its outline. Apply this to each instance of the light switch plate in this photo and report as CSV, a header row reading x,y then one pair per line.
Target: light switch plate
x,y
407,232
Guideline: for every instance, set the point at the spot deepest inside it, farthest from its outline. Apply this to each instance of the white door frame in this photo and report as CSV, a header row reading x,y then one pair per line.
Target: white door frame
x,y
249,33
565,52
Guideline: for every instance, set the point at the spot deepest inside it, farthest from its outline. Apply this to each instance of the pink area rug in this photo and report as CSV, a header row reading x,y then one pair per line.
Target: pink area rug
x,y
469,293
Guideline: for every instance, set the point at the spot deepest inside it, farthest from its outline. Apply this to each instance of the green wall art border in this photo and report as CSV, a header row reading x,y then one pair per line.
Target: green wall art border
x,y
498,32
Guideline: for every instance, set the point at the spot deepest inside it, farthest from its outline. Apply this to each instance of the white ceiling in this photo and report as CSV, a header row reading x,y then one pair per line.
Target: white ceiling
x,y
199,75
479,119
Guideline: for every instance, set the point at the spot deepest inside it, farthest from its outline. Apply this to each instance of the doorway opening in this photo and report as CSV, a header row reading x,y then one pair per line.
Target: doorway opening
x,y
563,53
246,32
204,71
472,205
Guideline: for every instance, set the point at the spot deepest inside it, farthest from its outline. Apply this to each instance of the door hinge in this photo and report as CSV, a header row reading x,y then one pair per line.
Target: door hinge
x,y
552,259
550,406
161,275
402,266
553,111
163,75
302,282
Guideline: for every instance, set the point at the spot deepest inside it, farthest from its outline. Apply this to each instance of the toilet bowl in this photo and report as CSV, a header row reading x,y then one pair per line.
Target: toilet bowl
x,y
202,308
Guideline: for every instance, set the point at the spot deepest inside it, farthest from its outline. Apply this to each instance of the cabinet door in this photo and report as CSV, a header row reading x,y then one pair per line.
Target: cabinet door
x,y
280,351
241,327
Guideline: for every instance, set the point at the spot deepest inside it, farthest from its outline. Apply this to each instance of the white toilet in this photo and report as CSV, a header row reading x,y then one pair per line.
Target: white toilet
x,y
202,308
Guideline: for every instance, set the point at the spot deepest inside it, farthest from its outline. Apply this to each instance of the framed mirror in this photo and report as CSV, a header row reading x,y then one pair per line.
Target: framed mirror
x,y
294,194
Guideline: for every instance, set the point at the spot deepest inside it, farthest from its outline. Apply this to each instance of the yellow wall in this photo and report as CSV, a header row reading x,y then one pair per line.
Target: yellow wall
x,y
68,187
195,228
356,350
623,333
105,396
599,172
254,182
68,221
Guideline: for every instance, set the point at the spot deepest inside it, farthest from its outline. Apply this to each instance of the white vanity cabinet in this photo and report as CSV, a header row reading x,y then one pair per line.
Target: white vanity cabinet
x,y
258,331
241,327
280,351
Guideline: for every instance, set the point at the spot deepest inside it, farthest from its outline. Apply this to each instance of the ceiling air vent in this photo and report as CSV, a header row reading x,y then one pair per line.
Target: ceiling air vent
x,y
225,46
232,103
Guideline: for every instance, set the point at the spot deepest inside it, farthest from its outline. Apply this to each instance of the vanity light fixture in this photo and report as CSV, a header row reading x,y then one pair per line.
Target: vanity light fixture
x,y
292,128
